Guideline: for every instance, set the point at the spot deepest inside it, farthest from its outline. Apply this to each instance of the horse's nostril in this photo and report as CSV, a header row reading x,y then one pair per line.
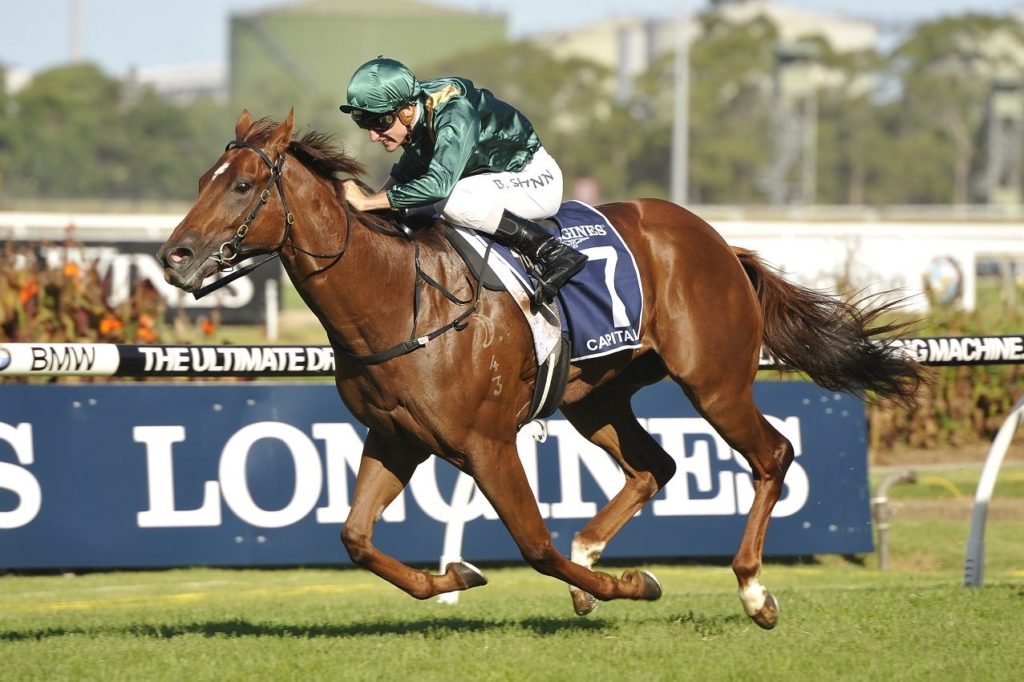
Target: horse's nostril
x,y
179,256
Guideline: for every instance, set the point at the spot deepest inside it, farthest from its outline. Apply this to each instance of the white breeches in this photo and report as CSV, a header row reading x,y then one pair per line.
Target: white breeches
x,y
478,201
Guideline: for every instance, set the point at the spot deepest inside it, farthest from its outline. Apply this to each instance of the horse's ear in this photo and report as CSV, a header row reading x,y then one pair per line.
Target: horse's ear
x,y
243,124
278,141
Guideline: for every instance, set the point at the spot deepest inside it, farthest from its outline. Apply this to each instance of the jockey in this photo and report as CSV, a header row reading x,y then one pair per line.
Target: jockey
x,y
465,154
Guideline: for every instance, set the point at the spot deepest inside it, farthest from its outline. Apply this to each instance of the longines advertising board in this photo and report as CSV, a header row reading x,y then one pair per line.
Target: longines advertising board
x,y
132,475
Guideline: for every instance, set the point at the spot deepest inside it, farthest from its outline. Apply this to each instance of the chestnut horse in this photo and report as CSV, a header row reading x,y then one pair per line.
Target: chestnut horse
x,y
463,394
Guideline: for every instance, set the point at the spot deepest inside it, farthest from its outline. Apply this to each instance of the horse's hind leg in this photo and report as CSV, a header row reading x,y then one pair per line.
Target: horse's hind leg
x,y
384,471
499,474
735,416
606,418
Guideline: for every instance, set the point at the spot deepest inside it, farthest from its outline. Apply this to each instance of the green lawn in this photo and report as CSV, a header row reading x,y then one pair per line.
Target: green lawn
x,y
842,618
839,620
953,483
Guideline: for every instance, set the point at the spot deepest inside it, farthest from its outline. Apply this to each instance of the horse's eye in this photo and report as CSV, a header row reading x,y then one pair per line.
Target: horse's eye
x,y
243,187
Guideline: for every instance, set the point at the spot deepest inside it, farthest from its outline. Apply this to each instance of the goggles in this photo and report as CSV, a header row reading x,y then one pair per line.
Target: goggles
x,y
368,120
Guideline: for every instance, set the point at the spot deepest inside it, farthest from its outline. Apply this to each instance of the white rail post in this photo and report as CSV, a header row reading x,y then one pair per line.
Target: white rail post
x,y
272,294
453,530
974,562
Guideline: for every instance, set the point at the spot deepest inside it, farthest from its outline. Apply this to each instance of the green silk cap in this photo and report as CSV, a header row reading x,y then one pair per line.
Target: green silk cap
x,y
381,86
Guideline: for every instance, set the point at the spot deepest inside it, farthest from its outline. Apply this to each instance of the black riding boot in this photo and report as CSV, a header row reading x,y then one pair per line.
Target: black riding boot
x,y
557,261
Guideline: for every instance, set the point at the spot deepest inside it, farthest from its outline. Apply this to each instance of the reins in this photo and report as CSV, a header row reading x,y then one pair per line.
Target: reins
x,y
230,252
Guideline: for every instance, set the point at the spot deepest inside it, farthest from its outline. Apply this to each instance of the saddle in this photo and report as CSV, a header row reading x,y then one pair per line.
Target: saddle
x,y
596,313
552,347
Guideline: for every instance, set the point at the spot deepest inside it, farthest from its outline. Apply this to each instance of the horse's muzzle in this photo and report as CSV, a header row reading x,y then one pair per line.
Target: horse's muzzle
x,y
181,267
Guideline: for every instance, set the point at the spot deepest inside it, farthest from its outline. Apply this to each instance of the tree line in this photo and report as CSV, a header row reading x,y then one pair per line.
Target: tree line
x,y
905,126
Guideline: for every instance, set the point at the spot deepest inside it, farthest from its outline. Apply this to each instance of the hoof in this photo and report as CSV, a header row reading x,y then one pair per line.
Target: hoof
x,y
467,574
582,602
650,587
768,615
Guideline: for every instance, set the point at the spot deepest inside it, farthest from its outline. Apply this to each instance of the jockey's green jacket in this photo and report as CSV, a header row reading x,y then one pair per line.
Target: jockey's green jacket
x,y
461,130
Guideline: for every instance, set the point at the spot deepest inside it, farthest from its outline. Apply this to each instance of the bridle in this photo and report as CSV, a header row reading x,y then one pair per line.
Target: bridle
x,y
230,252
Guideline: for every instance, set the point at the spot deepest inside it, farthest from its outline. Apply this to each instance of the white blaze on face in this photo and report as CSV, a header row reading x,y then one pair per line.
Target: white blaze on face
x,y
223,167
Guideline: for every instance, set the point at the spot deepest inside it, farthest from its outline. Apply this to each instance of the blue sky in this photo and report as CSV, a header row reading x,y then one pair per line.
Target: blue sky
x,y
121,34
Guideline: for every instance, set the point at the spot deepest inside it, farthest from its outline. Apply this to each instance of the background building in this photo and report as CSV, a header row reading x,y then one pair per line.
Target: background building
x,y
628,46
303,54
184,83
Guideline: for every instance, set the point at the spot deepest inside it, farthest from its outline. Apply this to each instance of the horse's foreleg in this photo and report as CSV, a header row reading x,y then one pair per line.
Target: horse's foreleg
x,y
501,478
590,541
609,423
384,471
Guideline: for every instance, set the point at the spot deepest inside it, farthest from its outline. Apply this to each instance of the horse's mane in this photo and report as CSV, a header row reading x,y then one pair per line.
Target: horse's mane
x,y
318,152
315,150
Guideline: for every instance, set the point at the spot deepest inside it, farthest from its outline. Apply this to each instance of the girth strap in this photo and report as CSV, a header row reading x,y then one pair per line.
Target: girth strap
x,y
414,342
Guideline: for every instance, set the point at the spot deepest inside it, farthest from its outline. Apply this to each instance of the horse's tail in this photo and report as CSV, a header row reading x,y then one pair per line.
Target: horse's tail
x,y
831,340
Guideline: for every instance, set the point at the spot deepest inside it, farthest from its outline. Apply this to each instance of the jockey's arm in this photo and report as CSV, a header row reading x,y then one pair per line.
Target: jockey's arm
x,y
456,136
365,202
